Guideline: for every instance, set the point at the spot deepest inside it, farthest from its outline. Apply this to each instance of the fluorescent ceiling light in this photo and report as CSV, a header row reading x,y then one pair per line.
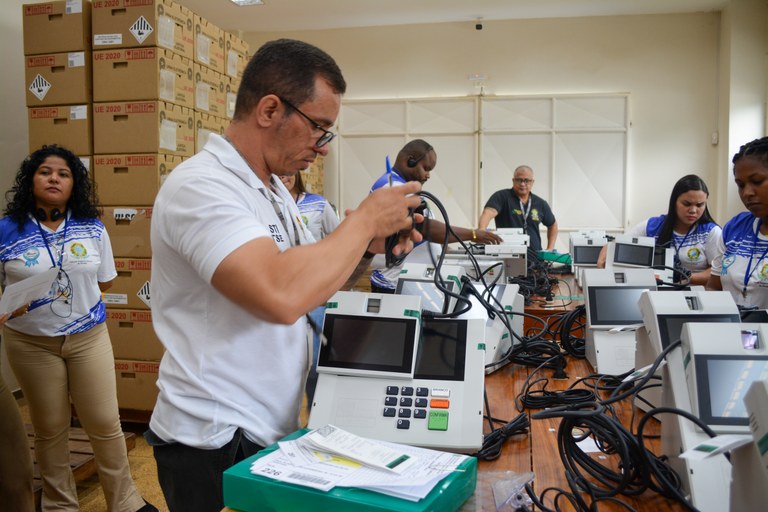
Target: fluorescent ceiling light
x,y
247,2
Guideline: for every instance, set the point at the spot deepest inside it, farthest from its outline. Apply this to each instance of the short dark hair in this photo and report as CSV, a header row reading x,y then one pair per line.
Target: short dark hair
x,y
286,68
756,149
416,148
685,184
82,203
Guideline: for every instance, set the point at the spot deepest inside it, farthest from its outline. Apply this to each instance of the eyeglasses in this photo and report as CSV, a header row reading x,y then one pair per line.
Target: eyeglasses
x,y
325,138
522,181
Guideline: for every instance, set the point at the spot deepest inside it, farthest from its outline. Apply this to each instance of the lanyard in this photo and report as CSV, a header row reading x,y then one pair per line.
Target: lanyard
x,y
750,270
54,263
525,212
682,244
271,198
280,216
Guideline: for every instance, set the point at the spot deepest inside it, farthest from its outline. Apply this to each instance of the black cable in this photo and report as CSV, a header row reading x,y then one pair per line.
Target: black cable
x,y
494,441
574,320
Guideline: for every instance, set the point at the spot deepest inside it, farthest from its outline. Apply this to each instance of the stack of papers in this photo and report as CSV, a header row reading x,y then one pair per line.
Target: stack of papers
x,y
329,456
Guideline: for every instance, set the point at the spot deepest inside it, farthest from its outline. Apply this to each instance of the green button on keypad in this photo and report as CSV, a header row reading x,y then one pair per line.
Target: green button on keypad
x,y
438,420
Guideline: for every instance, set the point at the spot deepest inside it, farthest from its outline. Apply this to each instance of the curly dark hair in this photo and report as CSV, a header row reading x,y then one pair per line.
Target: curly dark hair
x,y
82,203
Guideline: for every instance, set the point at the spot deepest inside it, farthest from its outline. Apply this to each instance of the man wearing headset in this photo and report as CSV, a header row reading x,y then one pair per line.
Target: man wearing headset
x,y
518,207
414,162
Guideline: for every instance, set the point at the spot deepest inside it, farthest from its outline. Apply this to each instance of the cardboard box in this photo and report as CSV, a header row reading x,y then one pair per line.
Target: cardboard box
x,y
135,23
236,55
131,288
58,79
136,384
56,27
143,74
132,335
231,99
131,179
128,228
69,126
209,44
211,88
206,124
143,127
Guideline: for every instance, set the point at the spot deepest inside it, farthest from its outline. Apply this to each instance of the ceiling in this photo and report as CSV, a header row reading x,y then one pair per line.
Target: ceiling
x,y
289,15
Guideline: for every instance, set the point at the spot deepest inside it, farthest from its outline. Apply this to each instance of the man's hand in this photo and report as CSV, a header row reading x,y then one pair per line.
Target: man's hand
x,y
487,237
388,209
408,238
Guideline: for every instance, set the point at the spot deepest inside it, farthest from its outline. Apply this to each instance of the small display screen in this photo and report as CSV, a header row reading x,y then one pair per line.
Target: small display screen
x,y
721,383
615,305
368,343
671,326
630,254
586,254
659,256
432,297
442,350
756,316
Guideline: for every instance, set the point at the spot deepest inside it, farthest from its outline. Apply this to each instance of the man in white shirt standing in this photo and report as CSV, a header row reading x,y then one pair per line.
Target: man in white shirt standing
x,y
234,271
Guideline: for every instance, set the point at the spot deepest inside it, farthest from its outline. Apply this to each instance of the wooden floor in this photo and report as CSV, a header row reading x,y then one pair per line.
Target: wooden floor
x,y
81,458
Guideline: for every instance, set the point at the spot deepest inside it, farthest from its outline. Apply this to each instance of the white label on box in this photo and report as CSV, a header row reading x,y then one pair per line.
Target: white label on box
x,y
201,96
202,137
231,101
86,162
203,46
125,213
39,87
76,59
78,112
232,59
115,298
168,134
74,6
141,29
107,39
167,84
166,32
143,294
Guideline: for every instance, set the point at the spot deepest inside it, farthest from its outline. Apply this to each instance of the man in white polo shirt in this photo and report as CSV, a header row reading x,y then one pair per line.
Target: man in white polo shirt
x,y
234,271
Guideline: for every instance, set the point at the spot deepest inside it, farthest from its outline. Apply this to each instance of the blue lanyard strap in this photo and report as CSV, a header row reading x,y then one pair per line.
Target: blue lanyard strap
x,y
750,270
54,263
682,244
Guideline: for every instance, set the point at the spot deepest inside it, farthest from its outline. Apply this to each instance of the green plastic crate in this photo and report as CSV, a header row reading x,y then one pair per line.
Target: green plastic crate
x,y
246,492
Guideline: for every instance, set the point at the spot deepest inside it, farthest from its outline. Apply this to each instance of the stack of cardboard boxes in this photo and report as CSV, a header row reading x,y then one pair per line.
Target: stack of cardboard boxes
x,y
57,53
158,81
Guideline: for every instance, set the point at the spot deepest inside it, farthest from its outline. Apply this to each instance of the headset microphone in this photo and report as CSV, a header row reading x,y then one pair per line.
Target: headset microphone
x,y
412,160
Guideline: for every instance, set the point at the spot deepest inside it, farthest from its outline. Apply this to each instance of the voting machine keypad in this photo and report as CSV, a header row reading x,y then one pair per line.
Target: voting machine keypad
x,y
407,403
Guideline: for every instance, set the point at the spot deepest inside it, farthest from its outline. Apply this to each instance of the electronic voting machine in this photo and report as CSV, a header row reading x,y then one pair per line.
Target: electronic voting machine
x,y
386,373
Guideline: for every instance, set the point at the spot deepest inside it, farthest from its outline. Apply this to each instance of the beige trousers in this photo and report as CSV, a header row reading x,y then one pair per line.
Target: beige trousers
x,y
15,456
80,367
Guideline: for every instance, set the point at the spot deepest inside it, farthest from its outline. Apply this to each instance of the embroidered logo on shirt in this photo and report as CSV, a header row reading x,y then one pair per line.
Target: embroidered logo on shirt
x,y
535,215
78,251
31,257
517,212
727,262
763,273
693,254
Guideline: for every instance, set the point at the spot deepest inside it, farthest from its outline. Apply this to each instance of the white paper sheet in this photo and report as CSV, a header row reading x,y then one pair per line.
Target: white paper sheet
x,y
22,293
